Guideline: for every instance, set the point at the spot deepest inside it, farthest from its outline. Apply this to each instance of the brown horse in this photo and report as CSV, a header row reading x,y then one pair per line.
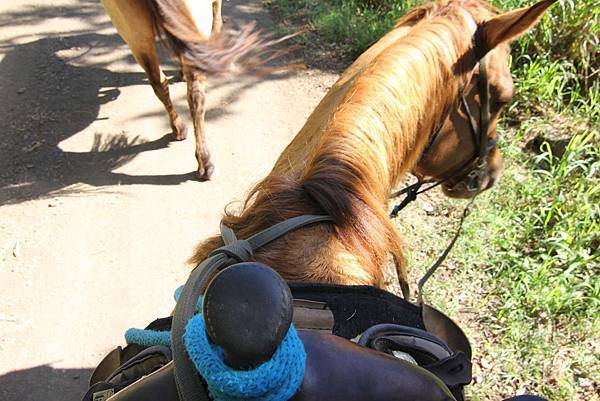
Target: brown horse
x,y
193,34
395,110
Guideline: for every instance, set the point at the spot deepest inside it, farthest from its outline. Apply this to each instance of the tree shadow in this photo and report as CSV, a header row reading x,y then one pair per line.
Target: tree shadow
x,y
44,383
49,92
89,13
38,14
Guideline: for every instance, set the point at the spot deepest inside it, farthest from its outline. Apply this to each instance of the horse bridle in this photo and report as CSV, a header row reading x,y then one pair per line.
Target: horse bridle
x,y
483,146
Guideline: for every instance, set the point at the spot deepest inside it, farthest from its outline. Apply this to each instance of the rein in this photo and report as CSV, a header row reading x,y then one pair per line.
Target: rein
x,y
444,254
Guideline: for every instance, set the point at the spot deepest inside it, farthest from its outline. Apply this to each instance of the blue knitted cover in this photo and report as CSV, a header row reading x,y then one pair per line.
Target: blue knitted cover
x,y
148,338
278,379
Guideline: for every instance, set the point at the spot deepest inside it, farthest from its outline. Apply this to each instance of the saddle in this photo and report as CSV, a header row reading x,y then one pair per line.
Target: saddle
x,y
361,343
341,342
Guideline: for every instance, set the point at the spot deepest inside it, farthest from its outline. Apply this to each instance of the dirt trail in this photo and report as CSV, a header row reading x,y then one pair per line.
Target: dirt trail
x,y
98,210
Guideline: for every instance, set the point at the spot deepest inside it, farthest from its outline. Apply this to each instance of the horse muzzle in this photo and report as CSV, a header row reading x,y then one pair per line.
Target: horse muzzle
x,y
477,180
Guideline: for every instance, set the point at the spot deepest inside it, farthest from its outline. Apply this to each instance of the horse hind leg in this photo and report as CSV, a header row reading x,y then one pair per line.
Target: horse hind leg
x,y
160,84
196,95
217,24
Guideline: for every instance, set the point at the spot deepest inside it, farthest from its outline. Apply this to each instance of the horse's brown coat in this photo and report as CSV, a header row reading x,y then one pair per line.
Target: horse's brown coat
x,y
192,29
136,21
368,132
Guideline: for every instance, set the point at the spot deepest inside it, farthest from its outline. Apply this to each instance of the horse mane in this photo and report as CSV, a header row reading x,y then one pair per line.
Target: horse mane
x,y
480,10
366,133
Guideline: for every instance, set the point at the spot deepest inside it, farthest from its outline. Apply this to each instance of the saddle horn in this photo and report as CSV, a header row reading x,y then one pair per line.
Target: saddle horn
x,y
248,311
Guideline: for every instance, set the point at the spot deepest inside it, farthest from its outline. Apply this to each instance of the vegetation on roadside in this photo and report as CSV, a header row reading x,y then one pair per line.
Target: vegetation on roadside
x,y
524,279
533,245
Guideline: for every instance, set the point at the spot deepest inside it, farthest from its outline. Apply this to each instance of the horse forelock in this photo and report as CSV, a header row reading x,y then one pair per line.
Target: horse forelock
x,y
480,10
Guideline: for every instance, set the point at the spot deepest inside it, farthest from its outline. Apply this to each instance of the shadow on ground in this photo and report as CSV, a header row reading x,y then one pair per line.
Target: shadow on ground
x,y
44,100
48,93
44,383
89,14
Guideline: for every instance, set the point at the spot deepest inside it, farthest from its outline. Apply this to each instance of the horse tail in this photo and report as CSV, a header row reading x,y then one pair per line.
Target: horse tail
x,y
246,51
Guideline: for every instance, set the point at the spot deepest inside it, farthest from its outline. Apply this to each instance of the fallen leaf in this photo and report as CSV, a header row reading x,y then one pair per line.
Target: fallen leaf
x,y
16,250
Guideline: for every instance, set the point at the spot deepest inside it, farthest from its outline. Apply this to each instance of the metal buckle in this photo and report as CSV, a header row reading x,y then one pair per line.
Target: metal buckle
x,y
476,177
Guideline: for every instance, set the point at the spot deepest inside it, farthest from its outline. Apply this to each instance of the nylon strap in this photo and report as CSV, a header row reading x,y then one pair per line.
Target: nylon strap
x,y
227,234
189,383
411,193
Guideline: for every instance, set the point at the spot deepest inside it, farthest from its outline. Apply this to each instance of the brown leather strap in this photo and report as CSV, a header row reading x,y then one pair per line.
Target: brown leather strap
x,y
313,315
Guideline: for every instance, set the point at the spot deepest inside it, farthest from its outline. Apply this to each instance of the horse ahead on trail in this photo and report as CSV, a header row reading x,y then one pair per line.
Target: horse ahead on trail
x,y
406,104
193,33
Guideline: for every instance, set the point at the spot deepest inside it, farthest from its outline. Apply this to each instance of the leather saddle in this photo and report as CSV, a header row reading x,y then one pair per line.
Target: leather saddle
x,y
361,343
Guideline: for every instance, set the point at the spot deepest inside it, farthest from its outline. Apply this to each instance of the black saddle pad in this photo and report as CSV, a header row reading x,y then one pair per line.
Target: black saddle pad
x,y
356,308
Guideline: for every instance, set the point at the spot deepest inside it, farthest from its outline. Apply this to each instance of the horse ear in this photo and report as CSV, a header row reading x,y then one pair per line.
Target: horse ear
x,y
509,26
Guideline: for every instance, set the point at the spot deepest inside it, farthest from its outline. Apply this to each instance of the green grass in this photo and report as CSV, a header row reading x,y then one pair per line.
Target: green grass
x,y
351,25
557,211
524,280
538,234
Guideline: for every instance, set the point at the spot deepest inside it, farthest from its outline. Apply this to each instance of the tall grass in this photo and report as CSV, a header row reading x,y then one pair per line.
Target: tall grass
x,y
351,25
569,33
539,235
532,243
547,256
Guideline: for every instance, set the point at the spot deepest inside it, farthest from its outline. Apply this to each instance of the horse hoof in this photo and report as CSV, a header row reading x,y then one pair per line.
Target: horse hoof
x,y
206,171
181,134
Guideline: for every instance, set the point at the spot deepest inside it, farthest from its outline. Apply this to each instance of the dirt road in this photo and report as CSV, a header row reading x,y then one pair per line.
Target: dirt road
x,y
99,211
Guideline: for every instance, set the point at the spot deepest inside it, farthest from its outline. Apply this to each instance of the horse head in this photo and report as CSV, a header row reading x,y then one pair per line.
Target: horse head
x,y
424,98
463,152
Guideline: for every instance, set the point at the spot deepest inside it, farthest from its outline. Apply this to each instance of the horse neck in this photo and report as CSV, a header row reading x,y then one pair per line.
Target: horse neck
x,y
384,121
293,159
